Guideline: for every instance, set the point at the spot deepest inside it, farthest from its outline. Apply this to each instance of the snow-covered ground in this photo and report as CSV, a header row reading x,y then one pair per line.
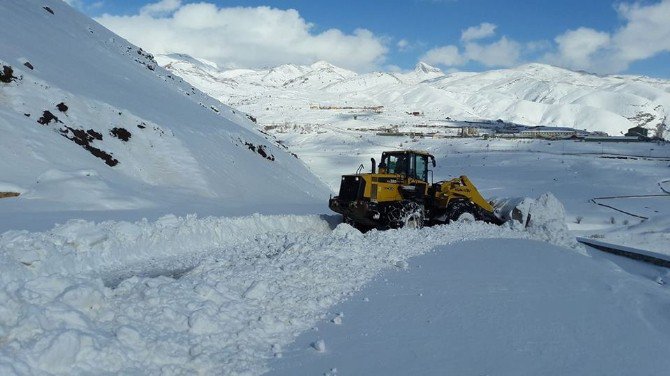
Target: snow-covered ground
x,y
211,295
493,307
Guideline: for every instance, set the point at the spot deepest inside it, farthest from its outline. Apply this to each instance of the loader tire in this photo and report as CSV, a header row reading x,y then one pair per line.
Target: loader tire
x,y
414,215
467,211
462,211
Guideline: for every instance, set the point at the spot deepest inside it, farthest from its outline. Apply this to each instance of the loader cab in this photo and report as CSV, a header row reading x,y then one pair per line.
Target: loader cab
x,y
411,164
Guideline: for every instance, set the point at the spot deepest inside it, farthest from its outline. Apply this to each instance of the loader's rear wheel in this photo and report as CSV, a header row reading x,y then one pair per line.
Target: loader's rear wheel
x,y
413,215
414,220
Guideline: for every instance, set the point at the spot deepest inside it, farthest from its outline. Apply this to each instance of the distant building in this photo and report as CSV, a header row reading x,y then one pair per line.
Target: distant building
x,y
548,133
468,132
638,132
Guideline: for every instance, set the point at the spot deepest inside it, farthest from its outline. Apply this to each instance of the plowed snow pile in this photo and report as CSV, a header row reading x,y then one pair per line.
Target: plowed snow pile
x,y
184,295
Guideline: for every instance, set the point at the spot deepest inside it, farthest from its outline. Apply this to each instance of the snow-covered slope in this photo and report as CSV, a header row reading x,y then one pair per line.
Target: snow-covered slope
x,y
91,122
533,94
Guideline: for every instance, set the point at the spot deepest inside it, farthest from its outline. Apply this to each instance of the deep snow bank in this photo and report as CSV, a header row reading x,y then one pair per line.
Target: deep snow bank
x,y
180,295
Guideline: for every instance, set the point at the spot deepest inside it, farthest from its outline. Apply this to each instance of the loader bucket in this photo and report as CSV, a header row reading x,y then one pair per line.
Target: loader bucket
x,y
513,209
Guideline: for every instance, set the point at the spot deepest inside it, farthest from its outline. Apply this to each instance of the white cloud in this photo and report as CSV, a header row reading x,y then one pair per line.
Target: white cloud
x,y
503,53
162,7
403,45
447,56
244,36
484,30
84,6
579,48
646,33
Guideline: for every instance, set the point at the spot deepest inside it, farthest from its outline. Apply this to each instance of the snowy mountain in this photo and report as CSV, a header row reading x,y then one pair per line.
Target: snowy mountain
x,y
422,72
91,122
533,94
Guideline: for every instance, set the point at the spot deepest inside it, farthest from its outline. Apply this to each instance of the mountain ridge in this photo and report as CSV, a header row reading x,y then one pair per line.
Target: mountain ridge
x,y
531,94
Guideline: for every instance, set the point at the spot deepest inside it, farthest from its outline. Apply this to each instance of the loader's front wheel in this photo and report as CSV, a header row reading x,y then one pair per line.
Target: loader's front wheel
x,y
466,217
462,211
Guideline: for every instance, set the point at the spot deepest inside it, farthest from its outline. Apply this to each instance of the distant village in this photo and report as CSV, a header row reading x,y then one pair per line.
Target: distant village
x,y
500,129
451,128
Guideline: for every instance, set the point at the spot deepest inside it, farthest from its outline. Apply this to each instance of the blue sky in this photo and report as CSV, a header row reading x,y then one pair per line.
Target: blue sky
x,y
594,35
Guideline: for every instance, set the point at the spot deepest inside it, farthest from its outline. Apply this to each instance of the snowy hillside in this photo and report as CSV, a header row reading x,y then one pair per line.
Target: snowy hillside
x,y
532,94
91,122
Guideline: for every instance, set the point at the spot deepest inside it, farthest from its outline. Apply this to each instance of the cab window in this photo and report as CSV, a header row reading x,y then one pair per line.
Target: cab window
x,y
412,165
397,164
419,168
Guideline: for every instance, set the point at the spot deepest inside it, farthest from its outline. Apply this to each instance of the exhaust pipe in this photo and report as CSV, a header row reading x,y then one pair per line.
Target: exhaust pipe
x,y
373,165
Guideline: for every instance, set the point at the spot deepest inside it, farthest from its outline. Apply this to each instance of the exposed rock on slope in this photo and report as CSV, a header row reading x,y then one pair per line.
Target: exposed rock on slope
x,y
84,105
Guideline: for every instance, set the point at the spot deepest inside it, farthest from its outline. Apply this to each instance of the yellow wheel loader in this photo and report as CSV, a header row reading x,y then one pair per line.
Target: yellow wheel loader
x,y
399,195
